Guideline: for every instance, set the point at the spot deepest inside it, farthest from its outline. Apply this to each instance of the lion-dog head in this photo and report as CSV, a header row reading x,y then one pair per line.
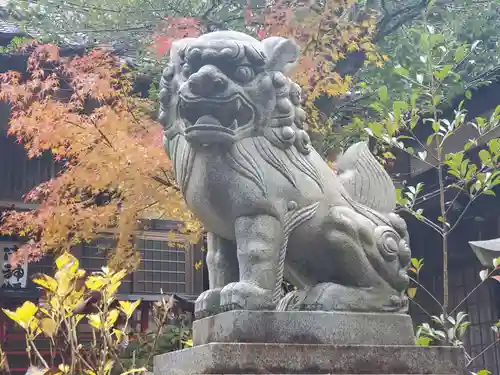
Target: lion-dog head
x,y
226,85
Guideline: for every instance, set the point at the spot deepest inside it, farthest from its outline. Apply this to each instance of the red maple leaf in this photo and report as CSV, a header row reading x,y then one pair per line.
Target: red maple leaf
x,y
162,45
248,14
172,29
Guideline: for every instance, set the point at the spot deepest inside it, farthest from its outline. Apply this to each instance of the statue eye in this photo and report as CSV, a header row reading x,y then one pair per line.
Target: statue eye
x,y
244,74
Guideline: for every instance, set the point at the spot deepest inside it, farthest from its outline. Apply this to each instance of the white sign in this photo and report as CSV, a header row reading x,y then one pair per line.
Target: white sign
x,y
13,276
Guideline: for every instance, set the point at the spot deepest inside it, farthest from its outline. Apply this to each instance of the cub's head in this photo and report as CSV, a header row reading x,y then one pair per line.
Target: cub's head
x,y
226,85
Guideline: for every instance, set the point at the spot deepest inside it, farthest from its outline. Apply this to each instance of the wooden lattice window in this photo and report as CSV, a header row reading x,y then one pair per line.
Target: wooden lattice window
x,y
166,264
94,256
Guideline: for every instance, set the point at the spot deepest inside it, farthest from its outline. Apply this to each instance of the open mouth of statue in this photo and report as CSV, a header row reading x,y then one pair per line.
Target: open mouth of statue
x,y
206,115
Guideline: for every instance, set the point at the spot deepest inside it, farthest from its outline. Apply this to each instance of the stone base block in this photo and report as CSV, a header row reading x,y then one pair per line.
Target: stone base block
x,y
254,358
305,327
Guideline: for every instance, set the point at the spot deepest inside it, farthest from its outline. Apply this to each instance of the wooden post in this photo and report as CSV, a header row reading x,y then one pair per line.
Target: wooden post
x,y
144,316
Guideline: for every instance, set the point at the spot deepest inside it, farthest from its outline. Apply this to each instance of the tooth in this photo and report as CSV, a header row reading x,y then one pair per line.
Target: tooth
x,y
234,125
238,104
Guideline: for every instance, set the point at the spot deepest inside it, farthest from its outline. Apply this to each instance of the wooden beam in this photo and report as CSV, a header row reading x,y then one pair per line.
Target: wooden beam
x,y
145,315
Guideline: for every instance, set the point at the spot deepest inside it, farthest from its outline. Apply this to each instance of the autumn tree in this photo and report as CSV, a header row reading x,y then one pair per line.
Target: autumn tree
x,y
113,170
132,27
329,35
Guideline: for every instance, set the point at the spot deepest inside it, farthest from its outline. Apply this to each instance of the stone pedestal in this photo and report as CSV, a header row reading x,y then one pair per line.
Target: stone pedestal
x,y
269,342
305,327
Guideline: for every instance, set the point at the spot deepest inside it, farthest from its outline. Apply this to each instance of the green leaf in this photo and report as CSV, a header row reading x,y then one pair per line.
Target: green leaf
x,y
413,120
435,126
469,144
494,146
461,52
430,4
414,96
424,341
483,372
383,93
424,42
399,198
429,139
481,121
468,94
412,292
378,108
415,262
463,167
461,316
436,39
376,129
485,157
402,71
398,107
436,99
440,75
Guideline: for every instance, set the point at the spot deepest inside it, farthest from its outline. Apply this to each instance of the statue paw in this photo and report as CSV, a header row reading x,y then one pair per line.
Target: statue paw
x,y
244,295
207,303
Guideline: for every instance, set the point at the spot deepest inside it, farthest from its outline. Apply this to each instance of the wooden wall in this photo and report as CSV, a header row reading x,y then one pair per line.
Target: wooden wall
x,y
483,303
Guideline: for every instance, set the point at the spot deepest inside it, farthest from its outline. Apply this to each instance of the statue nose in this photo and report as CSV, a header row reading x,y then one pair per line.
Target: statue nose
x,y
207,81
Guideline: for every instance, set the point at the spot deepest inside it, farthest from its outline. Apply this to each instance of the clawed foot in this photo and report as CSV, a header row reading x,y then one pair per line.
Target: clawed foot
x,y
245,296
207,303
235,296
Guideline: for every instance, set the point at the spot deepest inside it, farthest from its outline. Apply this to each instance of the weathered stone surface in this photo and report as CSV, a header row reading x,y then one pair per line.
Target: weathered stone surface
x,y
241,154
248,358
305,327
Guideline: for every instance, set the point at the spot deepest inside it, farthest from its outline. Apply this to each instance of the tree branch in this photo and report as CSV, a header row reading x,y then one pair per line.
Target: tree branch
x,y
482,352
425,290
472,291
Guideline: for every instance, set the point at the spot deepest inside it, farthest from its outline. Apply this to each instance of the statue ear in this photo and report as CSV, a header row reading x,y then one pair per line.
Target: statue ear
x,y
178,49
281,53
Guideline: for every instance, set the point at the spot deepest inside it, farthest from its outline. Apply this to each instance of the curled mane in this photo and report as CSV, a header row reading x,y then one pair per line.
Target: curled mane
x,y
284,141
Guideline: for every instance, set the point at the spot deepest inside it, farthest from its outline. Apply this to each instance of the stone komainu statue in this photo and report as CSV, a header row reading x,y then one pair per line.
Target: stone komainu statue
x,y
273,209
